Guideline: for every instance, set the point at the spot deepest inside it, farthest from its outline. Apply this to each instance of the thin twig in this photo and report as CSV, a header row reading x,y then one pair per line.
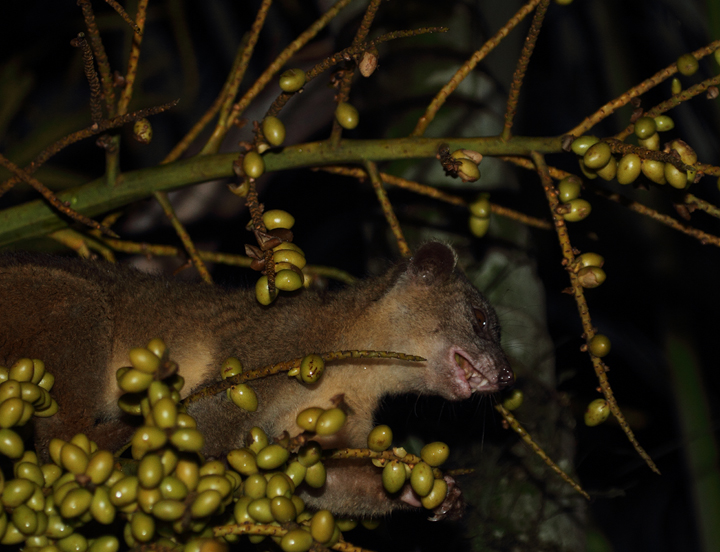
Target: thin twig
x,y
613,105
137,27
131,72
229,259
198,127
673,101
52,199
703,205
434,193
187,54
392,220
92,130
558,174
81,243
343,92
600,371
284,56
100,56
342,55
703,237
525,436
91,75
272,369
167,207
522,65
245,53
468,66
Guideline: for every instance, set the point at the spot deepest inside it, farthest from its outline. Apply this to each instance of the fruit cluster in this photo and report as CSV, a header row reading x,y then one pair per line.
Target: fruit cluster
x,y
432,490
596,159
24,391
288,259
169,495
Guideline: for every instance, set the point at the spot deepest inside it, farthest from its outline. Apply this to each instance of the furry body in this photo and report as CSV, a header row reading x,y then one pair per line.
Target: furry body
x,y
81,318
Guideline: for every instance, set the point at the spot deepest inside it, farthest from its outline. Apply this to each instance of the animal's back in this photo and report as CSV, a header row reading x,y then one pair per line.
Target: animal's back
x,y
81,318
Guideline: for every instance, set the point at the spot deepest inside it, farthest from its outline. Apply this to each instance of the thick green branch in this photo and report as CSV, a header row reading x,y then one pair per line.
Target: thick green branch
x,y
36,218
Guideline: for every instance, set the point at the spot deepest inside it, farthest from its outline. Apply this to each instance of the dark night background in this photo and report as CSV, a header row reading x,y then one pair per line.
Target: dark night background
x,y
661,290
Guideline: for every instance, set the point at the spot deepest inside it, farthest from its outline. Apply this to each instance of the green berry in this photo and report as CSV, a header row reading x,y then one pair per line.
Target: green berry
x,y
393,476
279,485
22,370
316,475
289,256
654,170
282,509
346,115
629,168
481,207
231,367
242,461
296,540
687,154
569,188
310,454
687,65
262,291
307,419
277,218
330,422
436,496
243,396
274,130
205,503
253,164
311,368
597,156
272,457
421,479
257,439
599,345
579,210
645,127
675,177
664,123
144,360
514,400
597,412
651,142
676,86
292,80
322,526
590,259
380,438
609,171
187,440
591,276
580,145
478,226
100,467
435,454
468,171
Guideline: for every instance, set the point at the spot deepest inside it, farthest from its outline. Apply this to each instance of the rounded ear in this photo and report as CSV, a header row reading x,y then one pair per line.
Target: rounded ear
x,y
433,261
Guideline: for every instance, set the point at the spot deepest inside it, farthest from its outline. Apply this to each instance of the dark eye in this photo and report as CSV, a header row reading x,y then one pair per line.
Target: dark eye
x,y
480,317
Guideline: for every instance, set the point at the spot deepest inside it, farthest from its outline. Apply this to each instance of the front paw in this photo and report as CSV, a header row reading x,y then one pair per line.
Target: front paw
x,y
453,506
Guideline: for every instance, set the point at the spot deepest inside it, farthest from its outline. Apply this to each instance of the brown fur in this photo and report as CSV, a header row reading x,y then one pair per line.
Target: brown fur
x,y
82,317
